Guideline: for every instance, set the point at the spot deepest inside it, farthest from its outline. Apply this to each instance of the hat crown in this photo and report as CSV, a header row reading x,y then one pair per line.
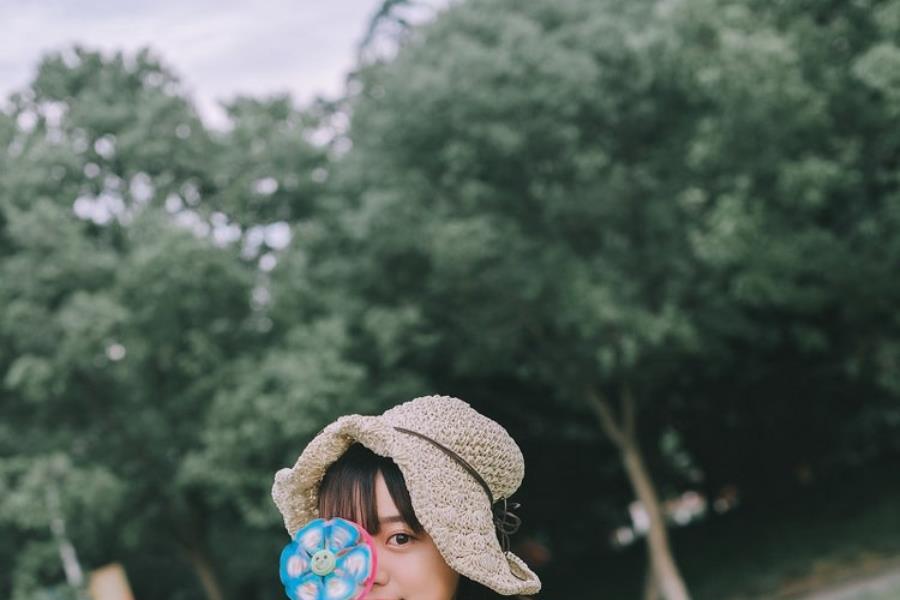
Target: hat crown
x,y
482,442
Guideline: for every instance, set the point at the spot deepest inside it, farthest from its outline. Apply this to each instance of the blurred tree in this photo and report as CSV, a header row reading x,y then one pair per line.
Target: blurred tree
x,y
796,220
270,164
118,375
672,223
127,310
118,129
659,213
507,203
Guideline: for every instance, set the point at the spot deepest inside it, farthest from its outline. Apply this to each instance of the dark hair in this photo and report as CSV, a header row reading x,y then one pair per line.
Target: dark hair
x,y
348,491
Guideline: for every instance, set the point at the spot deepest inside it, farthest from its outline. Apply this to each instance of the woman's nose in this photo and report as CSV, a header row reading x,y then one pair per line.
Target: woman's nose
x,y
381,573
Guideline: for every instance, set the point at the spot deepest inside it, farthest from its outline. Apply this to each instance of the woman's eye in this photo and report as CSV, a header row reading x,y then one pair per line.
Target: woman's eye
x,y
401,539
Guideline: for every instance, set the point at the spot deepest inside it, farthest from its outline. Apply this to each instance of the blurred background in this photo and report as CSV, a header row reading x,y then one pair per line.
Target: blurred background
x,y
659,241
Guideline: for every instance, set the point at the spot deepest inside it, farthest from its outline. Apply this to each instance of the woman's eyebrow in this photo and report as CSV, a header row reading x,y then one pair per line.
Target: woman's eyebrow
x,y
391,519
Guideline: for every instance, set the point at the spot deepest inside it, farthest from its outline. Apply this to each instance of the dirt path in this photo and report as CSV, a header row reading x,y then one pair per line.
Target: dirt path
x,y
885,586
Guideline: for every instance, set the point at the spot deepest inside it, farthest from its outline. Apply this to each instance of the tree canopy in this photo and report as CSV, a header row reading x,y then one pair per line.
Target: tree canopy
x,y
667,228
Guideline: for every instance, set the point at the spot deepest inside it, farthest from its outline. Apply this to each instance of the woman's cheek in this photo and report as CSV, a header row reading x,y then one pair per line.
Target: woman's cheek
x,y
441,580
415,573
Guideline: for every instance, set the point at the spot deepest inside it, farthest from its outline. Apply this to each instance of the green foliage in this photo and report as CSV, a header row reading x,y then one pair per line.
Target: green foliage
x,y
119,326
267,167
286,395
696,200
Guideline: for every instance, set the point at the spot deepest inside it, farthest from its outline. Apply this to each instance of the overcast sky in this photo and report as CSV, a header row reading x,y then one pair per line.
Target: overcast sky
x,y
218,47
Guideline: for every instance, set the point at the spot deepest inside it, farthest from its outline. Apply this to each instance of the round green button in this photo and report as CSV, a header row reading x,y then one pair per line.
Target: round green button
x,y
323,563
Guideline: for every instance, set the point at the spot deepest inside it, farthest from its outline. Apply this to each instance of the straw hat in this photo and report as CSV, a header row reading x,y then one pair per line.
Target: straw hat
x,y
432,439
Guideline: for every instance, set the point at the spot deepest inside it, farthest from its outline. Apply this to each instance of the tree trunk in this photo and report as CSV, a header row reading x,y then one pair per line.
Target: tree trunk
x,y
68,556
190,541
651,590
205,573
664,575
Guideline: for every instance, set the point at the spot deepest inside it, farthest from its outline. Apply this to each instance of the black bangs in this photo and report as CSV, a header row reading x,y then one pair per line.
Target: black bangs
x,y
348,489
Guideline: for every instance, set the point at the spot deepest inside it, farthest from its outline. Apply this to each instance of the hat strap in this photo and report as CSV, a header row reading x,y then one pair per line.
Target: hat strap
x,y
505,521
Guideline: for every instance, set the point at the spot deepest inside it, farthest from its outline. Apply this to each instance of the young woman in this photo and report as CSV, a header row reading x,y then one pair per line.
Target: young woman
x,y
429,479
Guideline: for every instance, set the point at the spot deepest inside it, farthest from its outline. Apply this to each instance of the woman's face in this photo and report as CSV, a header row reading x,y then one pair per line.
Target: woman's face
x,y
409,564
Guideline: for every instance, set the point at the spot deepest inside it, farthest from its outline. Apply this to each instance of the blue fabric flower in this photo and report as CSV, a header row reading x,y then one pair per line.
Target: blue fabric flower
x,y
328,560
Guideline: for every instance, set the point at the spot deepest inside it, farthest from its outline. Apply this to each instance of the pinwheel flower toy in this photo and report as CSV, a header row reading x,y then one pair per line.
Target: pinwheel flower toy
x,y
329,560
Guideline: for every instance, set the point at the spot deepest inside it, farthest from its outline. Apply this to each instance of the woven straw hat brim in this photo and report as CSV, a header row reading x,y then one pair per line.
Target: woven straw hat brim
x,y
450,504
